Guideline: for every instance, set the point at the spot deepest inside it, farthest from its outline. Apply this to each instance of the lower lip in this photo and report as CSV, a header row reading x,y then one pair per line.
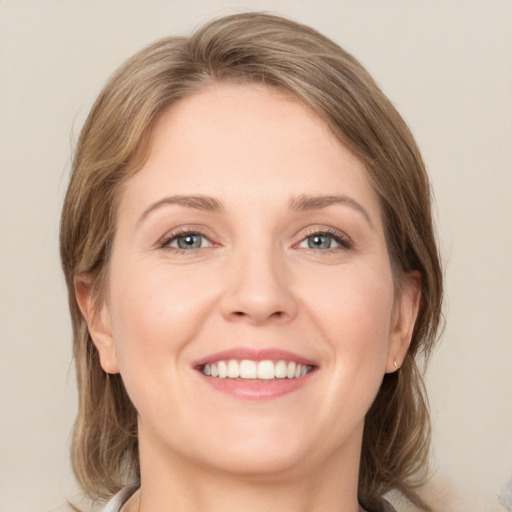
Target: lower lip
x,y
256,390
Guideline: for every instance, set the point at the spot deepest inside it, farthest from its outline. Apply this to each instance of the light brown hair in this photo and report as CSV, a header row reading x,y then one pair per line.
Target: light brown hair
x,y
113,144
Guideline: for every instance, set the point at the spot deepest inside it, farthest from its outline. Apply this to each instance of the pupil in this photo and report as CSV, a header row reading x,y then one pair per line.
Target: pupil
x,y
189,242
319,242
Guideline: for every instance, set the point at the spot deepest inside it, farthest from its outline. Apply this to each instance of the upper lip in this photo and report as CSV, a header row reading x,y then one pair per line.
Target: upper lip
x,y
263,354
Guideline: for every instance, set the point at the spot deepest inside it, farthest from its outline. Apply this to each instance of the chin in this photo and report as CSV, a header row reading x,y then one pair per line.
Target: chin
x,y
269,450
261,461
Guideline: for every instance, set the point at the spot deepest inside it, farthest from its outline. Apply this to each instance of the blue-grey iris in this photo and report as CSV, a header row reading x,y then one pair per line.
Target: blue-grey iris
x,y
319,242
190,241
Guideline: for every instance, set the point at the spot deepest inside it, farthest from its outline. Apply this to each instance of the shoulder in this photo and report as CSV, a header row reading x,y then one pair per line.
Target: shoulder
x,y
376,505
388,507
113,505
63,508
77,506
119,499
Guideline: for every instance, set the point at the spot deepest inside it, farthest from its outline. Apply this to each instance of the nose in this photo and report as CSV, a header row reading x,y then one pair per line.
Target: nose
x,y
258,290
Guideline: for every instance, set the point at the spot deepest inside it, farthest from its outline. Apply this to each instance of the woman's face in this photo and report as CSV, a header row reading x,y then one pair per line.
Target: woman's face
x,y
250,244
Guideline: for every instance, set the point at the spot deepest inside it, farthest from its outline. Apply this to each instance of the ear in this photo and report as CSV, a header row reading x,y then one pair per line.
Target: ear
x,y
406,309
97,316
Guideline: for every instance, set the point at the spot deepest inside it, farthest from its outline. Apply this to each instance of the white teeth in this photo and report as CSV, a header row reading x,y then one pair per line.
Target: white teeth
x,y
248,369
280,370
223,369
266,370
233,369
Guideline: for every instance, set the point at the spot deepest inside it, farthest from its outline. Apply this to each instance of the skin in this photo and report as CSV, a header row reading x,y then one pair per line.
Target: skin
x,y
255,283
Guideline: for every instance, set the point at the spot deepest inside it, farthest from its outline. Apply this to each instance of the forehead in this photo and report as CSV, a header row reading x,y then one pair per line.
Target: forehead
x,y
246,142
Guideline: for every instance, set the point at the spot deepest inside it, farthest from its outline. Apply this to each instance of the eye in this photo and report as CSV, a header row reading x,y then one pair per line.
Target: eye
x,y
186,241
322,241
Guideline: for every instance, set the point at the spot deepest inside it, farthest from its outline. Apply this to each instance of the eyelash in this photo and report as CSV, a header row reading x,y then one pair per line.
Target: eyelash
x,y
171,237
345,243
340,238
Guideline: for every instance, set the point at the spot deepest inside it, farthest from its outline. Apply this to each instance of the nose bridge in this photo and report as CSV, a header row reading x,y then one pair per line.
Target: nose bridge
x,y
257,289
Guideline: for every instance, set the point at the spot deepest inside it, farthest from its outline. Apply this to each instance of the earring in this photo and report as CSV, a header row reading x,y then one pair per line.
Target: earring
x,y
396,366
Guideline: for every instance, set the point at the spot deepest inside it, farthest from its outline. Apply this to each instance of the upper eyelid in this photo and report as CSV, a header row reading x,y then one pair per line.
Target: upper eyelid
x,y
302,235
340,244
175,233
334,232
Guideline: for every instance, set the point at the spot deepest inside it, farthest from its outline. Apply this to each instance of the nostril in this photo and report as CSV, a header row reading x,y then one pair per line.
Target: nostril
x,y
242,314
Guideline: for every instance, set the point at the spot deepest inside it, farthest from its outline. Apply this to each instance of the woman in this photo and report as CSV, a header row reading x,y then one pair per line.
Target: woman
x,y
253,275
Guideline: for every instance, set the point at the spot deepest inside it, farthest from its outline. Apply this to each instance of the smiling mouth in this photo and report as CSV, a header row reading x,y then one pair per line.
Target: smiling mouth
x,y
247,369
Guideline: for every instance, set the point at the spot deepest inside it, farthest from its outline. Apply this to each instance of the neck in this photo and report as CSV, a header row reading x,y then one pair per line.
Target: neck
x,y
170,482
234,495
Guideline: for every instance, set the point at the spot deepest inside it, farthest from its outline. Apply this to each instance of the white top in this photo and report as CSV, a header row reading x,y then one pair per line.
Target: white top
x,y
119,499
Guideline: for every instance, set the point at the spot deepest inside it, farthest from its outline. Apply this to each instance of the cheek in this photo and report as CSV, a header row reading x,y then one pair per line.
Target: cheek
x,y
350,311
155,313
353,304
354,311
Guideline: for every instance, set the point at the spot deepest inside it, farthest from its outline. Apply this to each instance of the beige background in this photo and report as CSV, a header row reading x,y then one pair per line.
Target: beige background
x,y
447,65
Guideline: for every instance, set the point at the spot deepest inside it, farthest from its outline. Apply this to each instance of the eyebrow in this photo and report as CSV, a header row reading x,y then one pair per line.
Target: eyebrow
x,y
301,203
306,203
204,203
